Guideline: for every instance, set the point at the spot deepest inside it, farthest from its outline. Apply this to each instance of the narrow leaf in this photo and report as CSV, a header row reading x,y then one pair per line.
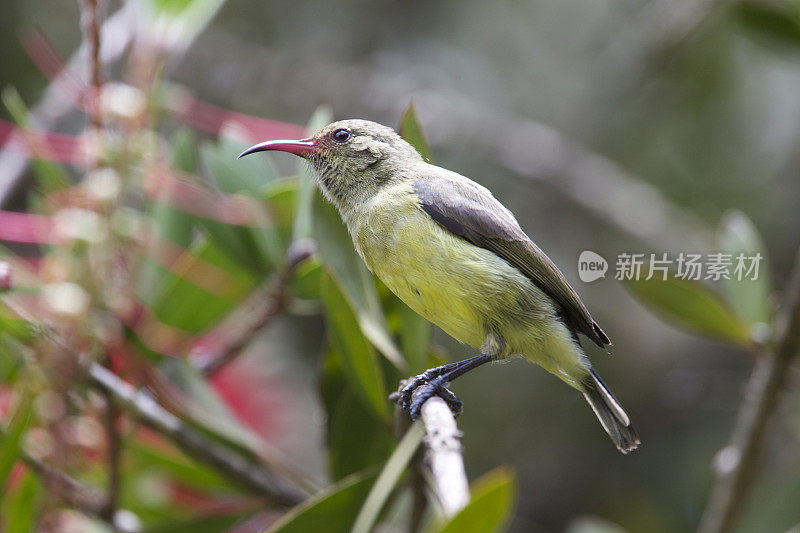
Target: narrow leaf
x,y
493,497
257,248
774,23
692,306
147,457
332,510
50,176
352,277
415,338
305,193
181,20
356,440
281,198
411,131
10,438
206,405
749,294
359,362
199,289
388,478
18,506
183,150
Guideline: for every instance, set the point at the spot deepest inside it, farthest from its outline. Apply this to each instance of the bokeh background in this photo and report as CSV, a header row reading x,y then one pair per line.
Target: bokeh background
x,y
612,126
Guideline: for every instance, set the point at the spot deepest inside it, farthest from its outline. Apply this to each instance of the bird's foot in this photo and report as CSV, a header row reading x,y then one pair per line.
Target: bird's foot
x,y
417,390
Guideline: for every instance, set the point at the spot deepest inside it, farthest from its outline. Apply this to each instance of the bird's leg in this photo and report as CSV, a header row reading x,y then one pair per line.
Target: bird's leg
x,y
434,381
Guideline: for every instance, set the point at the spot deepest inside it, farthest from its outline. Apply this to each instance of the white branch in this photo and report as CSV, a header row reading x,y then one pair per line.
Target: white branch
x,y
443,455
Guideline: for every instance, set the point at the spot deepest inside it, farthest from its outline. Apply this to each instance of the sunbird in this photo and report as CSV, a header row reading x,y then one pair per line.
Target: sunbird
x,y
455,255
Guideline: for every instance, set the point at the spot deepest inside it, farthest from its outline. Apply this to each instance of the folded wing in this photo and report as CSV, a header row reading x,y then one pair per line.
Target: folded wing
x,y
471,212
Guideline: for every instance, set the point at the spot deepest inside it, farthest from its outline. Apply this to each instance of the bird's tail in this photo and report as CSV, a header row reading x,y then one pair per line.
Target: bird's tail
x,y
613,418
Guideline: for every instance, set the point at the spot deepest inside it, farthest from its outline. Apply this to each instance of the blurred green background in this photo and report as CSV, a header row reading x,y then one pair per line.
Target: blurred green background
x,y
613,126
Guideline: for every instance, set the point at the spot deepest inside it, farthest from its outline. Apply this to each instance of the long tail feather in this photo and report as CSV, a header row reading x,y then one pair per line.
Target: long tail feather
x,y
610,413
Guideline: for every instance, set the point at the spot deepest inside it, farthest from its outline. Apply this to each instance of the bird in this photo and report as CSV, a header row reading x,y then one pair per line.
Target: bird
x,y
457,256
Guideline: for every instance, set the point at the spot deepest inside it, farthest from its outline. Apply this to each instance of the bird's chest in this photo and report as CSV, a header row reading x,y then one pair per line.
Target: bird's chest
x,y
433,272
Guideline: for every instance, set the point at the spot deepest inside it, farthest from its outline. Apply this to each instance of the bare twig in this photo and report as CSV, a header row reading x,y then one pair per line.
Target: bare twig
x,y
145,409
737,462
90,22
69,490
91,28
116,33
74,493
259,309
255,313
443,455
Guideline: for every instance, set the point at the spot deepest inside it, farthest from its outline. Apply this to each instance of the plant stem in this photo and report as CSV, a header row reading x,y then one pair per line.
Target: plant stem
x,y
91,28
737,469
74,493
114,448
254,314
145,409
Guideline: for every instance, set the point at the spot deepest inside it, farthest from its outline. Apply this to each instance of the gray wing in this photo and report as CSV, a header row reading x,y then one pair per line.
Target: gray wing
x,y
470,211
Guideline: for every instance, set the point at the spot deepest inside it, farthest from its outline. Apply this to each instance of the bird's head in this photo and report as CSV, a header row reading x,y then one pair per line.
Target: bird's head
x,y
352,158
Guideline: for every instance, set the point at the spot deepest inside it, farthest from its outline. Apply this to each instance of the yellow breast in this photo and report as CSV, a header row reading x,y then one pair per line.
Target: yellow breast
x,y
447,280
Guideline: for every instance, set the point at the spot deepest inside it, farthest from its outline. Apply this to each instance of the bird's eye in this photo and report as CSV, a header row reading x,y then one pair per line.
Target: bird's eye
x,y
342,135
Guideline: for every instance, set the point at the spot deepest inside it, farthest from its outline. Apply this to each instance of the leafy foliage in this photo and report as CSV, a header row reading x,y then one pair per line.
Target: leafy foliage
x,y
193,257
688,303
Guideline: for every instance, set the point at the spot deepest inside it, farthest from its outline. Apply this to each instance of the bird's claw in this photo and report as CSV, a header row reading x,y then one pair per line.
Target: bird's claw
x,y
416,391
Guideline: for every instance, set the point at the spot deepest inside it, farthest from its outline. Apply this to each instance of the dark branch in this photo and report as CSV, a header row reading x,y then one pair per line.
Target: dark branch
x,y
738,460
146,410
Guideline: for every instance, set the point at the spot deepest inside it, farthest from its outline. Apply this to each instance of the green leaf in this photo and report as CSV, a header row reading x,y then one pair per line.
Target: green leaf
x,y
183,150
332,510
259,249
50,177
305,192
15,327
739,237
172,224
415,338
180,468
388,478
692,306
493,497
169,222
359,362
10,438
177,301
240,244
411,131
181,20
356,440
207,409
775,23
306,279
249,175
352,277
18,505
281,198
